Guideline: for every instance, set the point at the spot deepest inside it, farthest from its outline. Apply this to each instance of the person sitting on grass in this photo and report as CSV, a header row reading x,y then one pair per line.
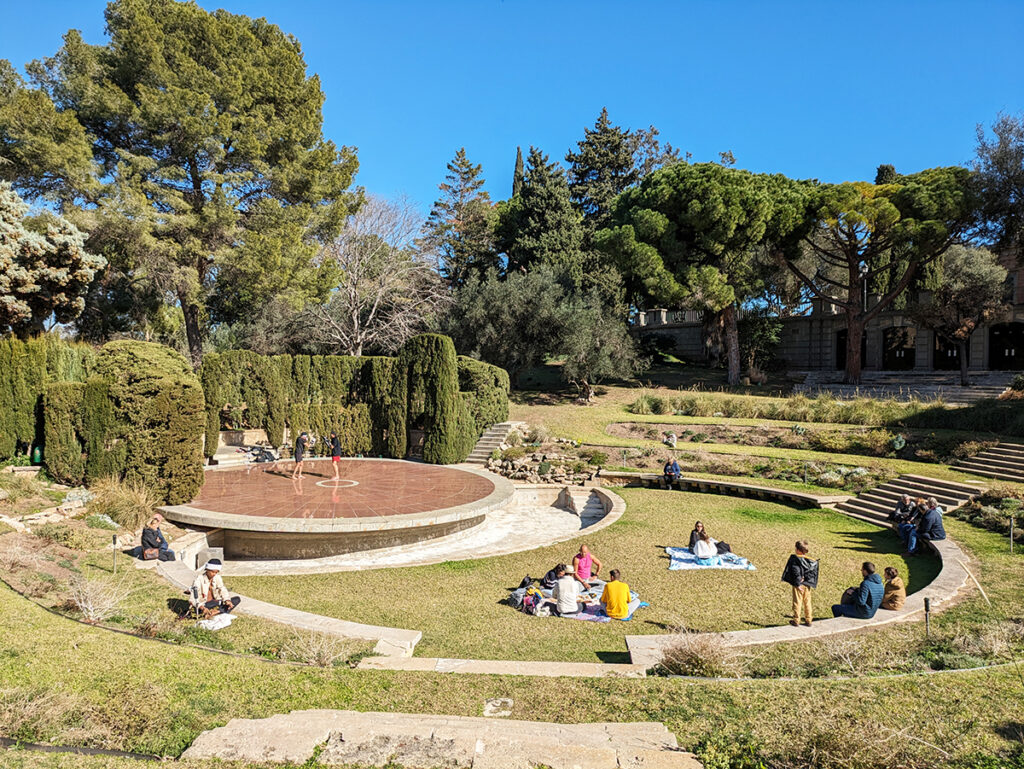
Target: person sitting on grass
x,y
586,566
208,593
566,593
705,551
671,471
895,592
548,580
615,597
154,539
720,547
801,573
862,602
929,528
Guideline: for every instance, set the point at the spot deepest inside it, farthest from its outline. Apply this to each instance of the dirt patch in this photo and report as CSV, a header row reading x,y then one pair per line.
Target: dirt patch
x,y
740,435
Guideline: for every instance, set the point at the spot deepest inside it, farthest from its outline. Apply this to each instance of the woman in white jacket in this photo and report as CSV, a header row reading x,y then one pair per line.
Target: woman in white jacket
x,y
705,551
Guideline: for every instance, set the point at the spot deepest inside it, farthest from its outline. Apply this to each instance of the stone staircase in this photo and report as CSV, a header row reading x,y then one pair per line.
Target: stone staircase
x,y
585,503
875,504
494,438
907,385
1004,462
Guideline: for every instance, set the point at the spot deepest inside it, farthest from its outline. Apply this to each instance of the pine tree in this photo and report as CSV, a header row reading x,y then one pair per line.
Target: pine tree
x,y
540,225
461,224
517,176
601,168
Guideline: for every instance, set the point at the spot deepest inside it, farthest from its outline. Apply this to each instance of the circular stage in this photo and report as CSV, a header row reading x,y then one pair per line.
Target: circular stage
x,y
259,511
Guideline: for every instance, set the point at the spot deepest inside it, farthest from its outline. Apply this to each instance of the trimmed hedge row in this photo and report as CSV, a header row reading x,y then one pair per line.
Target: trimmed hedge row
x,y
420,389
26,368
140,418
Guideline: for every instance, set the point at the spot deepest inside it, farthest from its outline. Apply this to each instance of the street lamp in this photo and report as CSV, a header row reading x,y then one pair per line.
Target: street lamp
x,y
864,282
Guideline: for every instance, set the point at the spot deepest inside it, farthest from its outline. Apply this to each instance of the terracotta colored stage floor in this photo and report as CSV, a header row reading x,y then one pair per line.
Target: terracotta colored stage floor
x,y
367,489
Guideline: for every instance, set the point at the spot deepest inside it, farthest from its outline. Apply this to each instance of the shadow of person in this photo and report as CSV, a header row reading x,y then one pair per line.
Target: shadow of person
x,y
179,606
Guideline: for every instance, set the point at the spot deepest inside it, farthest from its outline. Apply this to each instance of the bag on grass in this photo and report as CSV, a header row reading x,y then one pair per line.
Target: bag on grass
x,y
515,598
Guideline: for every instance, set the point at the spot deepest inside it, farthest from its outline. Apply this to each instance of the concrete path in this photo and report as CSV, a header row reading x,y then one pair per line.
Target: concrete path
x,y
505,667
405,739
392,642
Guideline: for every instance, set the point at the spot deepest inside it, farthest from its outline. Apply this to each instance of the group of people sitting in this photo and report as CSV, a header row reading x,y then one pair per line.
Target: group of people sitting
x,y
861,602
918,521
572,588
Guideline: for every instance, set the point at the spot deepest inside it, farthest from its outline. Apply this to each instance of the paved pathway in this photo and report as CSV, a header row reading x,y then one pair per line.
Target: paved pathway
x,y
458,742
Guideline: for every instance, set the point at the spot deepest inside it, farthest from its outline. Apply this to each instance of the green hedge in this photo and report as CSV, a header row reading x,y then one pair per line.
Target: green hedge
x,y
157,404
26,368
488,387
65,449
320,393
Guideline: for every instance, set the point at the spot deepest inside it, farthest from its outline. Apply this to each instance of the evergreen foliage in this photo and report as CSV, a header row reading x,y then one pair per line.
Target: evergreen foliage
x,y
460,229
432,377
196,140
485,389
600,170
518,174
158,405
65,452
541,225
42,274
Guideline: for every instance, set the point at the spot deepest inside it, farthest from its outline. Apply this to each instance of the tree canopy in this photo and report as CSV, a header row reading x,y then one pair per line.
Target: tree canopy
x,y
190,147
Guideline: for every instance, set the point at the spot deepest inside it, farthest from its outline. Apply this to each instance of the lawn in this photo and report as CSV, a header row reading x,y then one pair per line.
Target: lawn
x,y
459,605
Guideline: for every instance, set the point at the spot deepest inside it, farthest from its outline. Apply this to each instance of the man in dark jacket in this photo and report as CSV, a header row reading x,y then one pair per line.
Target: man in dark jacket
x,y
802,573
864,600
929,528
671,471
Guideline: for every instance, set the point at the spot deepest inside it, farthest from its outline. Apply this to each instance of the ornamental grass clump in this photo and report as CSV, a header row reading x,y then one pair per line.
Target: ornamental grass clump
x,y
130,504
700,654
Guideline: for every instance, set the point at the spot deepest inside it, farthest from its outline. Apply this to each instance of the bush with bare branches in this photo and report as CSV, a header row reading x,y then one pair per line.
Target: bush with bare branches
x,y
98,598
700,654
319,649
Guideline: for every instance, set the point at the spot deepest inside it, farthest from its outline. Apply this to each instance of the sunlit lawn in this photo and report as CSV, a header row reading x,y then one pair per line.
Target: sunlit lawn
x,y
459,606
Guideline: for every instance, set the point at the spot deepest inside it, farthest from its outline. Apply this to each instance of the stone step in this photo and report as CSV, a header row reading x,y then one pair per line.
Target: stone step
x,y
866,514
864,501
989,473
1006,455
998,461
954,486
946,500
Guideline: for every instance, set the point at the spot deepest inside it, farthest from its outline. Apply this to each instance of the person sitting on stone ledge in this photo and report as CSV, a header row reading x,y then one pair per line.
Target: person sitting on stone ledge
x,y
895,591
903,511
862,602
586,566
671,471
929,528
208,593
154,543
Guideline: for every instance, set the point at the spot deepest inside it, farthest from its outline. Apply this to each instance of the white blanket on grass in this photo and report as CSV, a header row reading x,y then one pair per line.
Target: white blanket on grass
x,y
682,558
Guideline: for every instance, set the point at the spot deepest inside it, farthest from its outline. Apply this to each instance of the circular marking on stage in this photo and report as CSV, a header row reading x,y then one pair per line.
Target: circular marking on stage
x,y
340,483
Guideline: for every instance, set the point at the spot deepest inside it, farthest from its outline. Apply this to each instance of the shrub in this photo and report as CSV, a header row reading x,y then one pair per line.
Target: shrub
x,y
65,452
20,487
537,434
700,654
658,405
62,534
104,522
488,387
129,504
513,453
598,458
432,379
97,599
319,649
544,468
1018,383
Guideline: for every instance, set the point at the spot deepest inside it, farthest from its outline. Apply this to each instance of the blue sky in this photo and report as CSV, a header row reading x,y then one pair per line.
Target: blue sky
x,y
818,89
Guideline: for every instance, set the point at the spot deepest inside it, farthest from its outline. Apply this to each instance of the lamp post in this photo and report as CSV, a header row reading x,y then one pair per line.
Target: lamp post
x,y
864,283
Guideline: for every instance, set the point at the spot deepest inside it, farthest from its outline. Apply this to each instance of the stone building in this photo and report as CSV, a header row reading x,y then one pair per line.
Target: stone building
x,y
892,341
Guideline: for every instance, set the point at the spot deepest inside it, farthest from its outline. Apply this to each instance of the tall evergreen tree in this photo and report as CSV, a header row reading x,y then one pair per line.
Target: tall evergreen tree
x,y
886,174
540,225
460,228
207,135
600,169
517,175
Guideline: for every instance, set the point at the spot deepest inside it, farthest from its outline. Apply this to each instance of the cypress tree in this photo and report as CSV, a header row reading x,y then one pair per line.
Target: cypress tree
x,y
517,176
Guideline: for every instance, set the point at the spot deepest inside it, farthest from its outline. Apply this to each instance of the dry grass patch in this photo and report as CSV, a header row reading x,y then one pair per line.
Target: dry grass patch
x,y
130,504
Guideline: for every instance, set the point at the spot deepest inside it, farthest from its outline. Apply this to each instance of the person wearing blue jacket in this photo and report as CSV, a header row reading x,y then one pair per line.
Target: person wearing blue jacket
x,y
929,528
862,602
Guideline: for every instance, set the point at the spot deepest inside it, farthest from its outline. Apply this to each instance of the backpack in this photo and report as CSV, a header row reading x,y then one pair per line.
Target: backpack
x,y
515,598
532,600
527,581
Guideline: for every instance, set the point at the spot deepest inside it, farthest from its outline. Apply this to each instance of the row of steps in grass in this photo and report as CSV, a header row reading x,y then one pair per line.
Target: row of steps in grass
x,y
492,439
586,503
876,504
908,385
1004,461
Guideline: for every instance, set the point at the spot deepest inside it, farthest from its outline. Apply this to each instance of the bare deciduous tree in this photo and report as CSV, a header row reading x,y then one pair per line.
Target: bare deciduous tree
x,y
389,290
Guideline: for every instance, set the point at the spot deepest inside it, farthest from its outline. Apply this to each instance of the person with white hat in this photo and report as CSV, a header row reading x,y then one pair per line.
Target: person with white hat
x,y
208,593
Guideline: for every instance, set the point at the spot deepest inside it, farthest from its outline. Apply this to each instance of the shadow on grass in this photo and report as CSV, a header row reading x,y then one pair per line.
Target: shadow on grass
x,y
881,542
179,606
614,658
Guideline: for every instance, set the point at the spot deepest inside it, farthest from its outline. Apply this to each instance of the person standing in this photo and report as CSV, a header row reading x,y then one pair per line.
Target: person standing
x,y
801,573
336,454
300,454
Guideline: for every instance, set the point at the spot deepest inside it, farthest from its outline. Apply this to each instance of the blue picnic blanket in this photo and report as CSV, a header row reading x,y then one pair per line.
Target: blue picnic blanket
x,y
683,558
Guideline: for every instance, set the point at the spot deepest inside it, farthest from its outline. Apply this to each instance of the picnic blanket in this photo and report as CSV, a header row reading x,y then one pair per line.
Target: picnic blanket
x,y
683,558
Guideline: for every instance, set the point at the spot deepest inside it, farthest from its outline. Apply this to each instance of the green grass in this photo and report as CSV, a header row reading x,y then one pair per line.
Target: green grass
x,y
459,608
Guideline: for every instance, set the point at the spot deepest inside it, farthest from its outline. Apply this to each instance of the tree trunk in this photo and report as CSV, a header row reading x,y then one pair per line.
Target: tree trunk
x,y
587,394
193,330
961,351
854,335
732,343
